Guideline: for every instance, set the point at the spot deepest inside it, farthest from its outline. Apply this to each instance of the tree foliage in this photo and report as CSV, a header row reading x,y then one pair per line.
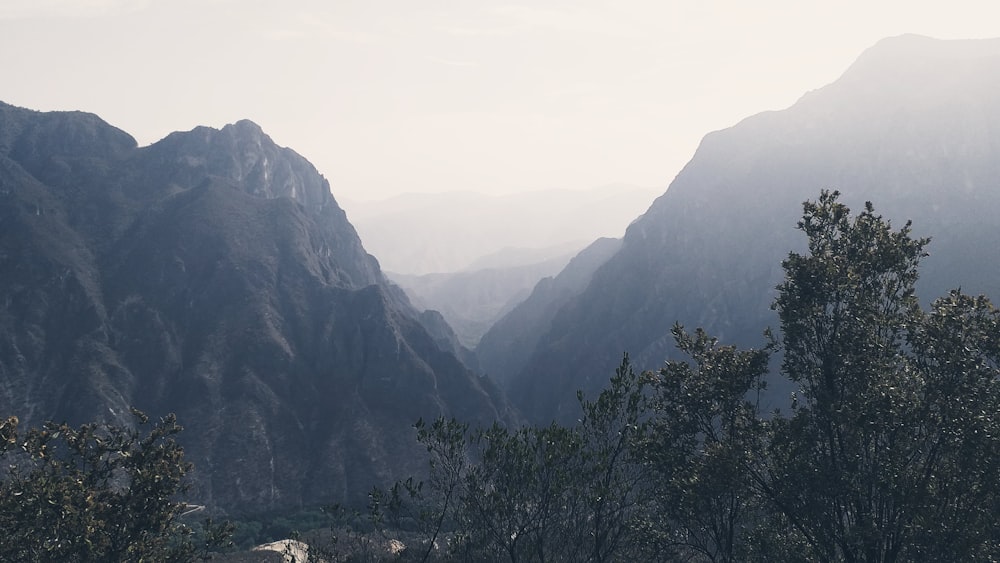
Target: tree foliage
x,y
550,493
98,492
706,439
889,452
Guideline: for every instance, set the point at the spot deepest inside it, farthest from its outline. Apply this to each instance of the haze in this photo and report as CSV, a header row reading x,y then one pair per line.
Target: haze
x,y
386,97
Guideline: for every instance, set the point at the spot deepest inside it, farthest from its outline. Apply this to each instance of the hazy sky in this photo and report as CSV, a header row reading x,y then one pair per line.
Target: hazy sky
x,y
408,95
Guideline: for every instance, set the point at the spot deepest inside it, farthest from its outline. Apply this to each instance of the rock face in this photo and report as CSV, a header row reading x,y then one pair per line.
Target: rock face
x,y
212,274
913,126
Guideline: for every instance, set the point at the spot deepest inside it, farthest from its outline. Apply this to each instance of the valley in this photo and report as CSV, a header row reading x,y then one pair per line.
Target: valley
x,y
298,339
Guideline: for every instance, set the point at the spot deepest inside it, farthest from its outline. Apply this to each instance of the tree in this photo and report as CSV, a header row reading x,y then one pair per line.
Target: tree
x,y
617,481
99,492
890,450
522,498
957,354
432,506
705,441
553,493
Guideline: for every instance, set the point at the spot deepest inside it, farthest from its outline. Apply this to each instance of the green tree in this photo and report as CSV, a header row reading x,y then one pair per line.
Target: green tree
x,y
705,444
522,496
957,354
431,507
616,477
535,494
95,493
889,452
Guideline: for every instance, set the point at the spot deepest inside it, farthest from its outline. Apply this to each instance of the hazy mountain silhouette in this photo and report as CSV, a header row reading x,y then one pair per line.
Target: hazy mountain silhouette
x,y
502,350
913,126
212,274
471,301
456,231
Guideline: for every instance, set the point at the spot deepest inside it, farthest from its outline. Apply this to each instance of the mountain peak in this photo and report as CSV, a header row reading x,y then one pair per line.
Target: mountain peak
x,y
212,275
63,134
923,73
245,155
904,54
912,44
245,126
912,126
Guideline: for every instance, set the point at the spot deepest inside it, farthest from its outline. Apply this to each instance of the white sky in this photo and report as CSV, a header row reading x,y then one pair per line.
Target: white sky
x,y
408,95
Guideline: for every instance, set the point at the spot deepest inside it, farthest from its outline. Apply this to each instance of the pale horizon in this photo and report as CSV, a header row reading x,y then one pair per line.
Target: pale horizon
x,y
389,97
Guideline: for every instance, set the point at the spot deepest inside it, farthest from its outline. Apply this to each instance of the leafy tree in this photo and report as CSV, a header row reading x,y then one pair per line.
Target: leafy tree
x,y
705,443
534,494
617,481
432,506
890,450
957,355
521,499
96,493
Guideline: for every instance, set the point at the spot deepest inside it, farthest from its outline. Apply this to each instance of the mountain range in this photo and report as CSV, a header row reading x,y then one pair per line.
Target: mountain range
x,y
471,301
213,274
913,126
415,234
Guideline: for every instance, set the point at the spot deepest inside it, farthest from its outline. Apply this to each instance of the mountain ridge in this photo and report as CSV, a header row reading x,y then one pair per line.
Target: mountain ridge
x,y
708,251
413,234
213,274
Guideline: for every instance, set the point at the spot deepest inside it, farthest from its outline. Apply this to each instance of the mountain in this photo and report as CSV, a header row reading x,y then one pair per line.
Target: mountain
x,y
913,126
213,274
512,257
501,352
471,301
417,233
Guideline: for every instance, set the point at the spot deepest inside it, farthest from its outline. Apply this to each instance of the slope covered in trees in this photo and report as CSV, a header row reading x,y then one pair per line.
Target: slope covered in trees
x,y
889,452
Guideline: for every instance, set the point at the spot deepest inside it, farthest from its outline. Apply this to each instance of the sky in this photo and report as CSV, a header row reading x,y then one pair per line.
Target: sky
x,y
395,96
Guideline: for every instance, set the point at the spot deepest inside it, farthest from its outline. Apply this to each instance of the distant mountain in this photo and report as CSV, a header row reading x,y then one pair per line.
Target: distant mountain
x,y
450,232
507,346
511,257
913,126
213,274
471,301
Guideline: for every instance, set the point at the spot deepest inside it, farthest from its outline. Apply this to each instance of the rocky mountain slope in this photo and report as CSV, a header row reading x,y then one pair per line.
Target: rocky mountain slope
x,y
913,126
212,274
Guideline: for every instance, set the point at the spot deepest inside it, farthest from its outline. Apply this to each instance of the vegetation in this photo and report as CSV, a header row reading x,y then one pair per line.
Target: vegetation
x,y
97,493
890,450
890,453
